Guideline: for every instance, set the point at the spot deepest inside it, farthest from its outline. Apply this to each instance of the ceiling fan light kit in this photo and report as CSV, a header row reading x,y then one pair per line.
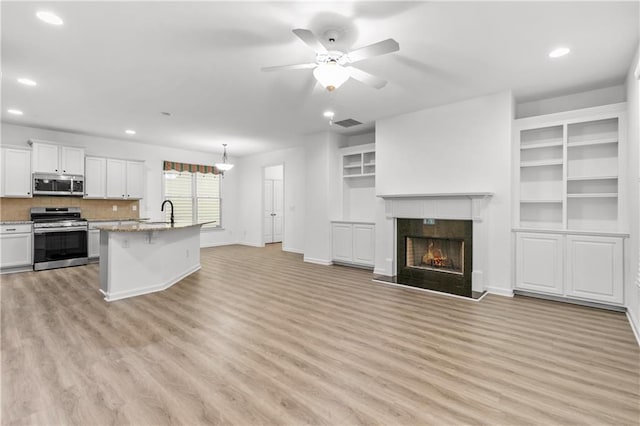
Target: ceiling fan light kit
x,y
331,75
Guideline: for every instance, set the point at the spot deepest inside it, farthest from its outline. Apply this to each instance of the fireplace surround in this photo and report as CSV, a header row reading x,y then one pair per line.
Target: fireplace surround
x,y
461,253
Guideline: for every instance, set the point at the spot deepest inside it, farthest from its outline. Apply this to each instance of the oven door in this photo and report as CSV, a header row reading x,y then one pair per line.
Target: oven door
x,y
58,247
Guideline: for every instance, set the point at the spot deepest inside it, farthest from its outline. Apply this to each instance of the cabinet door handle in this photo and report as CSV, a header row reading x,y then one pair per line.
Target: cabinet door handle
x,y
10,229
28,193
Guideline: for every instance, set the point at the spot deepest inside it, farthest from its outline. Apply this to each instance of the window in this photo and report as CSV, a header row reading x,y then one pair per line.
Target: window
x,y
195,197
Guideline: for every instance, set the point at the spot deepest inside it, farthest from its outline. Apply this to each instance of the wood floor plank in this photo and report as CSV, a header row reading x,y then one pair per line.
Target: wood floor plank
x,y
257,337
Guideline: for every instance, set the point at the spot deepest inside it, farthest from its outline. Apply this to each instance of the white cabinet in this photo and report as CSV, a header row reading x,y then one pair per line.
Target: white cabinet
x,y
95,179
342,242
594,268
577,266
353,243
16,173
540,262
16,246
51,158
125,179
134,179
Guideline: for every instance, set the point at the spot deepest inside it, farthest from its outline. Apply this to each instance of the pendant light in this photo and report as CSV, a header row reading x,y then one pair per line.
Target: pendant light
x,y
224,166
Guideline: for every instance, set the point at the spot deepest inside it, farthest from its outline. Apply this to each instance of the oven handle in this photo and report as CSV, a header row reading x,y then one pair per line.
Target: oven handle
x,y
60,229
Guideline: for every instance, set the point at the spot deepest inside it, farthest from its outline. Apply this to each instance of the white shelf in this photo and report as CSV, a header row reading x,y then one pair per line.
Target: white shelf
x,y
369,164
541,145
594,195
359,175
603,141
355,166
540,201
581,178
541,163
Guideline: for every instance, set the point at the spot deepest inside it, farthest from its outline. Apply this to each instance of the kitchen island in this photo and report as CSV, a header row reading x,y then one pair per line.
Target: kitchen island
x,y
146,257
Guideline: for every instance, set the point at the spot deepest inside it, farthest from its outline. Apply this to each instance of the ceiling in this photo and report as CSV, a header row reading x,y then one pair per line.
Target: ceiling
x,y
117,65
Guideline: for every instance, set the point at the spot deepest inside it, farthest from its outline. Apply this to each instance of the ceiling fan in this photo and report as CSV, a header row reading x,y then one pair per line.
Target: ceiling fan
x,y
332,68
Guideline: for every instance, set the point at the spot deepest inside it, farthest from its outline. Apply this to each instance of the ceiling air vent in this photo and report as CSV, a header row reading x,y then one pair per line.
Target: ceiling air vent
x,y
349,122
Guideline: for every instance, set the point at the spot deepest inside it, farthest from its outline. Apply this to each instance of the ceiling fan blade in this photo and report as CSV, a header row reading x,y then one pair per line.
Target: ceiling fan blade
x,y
290,67
366,78
310,40
376,49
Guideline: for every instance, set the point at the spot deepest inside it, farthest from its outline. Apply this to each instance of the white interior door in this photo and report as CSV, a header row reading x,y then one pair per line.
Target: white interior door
x,y
278,210
268,211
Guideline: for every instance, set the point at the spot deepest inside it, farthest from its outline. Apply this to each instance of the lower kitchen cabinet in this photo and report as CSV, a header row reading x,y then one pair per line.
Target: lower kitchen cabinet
x,y
353,243
576,266
94,244
16,247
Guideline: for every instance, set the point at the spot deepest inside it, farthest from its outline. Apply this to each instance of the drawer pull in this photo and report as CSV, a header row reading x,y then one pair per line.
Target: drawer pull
x,y
10,229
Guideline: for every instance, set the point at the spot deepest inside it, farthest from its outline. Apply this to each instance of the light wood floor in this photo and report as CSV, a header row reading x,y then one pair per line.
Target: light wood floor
x,y
258,337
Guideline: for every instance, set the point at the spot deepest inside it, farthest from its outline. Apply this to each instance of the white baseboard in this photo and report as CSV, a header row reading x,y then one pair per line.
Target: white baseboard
x,y
292,250
323,262
216,245
500,291
634,325
380,271
251,244
110,297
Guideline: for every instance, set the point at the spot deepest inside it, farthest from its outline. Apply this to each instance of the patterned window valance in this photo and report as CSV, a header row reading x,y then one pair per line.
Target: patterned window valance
x,y
193,168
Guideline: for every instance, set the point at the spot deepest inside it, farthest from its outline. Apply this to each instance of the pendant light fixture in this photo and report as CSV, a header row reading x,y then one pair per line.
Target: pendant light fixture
x,y
224,166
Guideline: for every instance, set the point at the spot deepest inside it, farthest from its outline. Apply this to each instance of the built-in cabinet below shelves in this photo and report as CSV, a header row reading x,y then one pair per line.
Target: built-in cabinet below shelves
x,y
58,159
576,266
114,179
353,243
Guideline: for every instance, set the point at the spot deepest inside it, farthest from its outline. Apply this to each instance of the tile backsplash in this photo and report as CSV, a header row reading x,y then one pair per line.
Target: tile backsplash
x,y
18,208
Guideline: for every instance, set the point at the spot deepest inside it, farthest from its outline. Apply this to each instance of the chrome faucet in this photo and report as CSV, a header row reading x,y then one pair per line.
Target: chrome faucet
x,y
162,209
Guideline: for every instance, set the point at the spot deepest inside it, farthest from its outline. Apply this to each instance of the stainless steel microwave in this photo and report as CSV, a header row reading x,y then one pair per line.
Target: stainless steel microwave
x,y
53,184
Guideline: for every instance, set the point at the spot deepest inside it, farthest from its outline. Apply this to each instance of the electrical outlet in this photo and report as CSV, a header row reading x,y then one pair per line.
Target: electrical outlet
x,y
115,208
125,243
134,207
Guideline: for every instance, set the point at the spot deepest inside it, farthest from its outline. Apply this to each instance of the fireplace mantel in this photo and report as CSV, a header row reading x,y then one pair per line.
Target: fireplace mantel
x,y
445,205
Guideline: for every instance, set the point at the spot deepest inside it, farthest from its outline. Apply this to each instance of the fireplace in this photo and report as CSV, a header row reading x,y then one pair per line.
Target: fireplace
x,y
435,254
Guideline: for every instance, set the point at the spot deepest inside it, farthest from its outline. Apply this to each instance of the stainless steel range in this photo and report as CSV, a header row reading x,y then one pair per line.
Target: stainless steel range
x,y
59,237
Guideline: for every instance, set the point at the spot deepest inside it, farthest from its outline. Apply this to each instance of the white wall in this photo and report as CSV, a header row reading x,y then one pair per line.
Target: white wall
x,y
632,272
591,98
251,170
274,172
153,156
461,147
322,200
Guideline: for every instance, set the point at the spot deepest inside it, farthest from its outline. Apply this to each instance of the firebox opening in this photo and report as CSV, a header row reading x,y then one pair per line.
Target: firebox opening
x,y
435,254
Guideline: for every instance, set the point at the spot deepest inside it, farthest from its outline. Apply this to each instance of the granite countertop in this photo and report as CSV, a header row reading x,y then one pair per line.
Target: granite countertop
x,y
149,226
118,220
16,222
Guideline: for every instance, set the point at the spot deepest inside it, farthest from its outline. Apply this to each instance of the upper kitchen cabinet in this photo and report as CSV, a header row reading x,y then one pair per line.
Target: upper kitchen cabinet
x,y
16,173
51,158
125,179
95,179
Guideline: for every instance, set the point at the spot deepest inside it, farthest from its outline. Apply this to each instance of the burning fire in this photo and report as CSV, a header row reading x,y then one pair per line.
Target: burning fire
x,y
434,256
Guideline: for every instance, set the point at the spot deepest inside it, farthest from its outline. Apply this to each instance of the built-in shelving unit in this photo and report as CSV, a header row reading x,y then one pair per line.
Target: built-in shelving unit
x,y
359,164
569,204
569,172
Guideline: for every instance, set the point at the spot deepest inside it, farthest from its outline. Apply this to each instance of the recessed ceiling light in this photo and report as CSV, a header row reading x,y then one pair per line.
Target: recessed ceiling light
x,y
14,111
560,51
328,114
49,17
27,81
130,132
